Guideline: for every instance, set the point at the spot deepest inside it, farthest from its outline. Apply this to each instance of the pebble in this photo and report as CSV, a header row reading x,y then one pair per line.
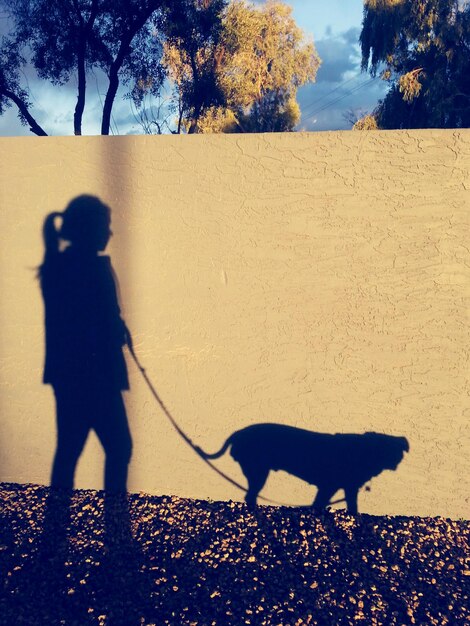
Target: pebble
x,y
83,558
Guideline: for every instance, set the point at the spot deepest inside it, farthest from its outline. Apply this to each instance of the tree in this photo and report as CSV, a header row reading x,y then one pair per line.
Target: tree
x,y
65,38
192,56
367,122
251,66
360,119
11,91
267,58
130,51
422,48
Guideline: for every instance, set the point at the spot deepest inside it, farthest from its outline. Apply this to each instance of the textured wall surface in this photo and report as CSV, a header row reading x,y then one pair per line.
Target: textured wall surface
x,y
319,280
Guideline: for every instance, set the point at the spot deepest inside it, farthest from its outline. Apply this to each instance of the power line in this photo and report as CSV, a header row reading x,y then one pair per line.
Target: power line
x,y
326,95
346,95
342,97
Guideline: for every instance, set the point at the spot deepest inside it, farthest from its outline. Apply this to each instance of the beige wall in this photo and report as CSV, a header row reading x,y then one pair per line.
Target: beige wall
x,y
319,280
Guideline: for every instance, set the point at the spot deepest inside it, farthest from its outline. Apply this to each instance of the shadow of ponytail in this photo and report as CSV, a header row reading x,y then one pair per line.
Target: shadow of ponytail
x,y
51,238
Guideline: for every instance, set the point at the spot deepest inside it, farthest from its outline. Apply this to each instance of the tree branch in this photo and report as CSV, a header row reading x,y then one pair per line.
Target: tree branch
x,y
34,127
117,64
85,33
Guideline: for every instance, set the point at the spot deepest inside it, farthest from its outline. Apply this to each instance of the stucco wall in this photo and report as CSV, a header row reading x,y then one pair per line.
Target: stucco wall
x,y
318,280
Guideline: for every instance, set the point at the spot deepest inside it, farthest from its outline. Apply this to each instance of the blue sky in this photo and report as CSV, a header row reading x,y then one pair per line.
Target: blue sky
x,y
340,86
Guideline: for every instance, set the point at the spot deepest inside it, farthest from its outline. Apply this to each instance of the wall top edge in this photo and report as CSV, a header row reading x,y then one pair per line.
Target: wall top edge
x,y
245,136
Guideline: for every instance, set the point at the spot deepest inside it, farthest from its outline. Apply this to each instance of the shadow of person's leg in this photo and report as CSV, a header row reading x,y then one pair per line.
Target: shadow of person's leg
x,y
54,543
37,585
112,429
72,432
124,558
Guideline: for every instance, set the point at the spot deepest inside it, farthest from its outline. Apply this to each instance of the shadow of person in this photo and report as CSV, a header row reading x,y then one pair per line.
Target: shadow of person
x,y
47,577
84,362
330,462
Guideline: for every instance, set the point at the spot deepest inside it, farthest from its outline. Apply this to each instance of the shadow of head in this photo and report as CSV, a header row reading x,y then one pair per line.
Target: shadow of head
x,y
86,223
330,462
385,452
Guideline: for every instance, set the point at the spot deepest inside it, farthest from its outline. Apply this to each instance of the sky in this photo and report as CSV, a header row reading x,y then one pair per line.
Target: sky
x,y
340,87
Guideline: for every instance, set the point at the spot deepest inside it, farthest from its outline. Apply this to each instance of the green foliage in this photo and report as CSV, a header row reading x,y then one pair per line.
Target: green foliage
x,y
63,39
422,48
192,54
11,62
234,66
267,58
11,92
368,122
253,68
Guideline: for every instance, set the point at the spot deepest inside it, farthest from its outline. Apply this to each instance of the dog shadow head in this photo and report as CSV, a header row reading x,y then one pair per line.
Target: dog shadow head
x,y
385,452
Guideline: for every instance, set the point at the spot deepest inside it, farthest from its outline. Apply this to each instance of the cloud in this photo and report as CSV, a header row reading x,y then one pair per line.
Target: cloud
x,y
53,106
340,54
10,125
325,105
352,35
340,84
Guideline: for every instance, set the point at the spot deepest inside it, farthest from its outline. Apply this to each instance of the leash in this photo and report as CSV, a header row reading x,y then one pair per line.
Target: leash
x,y
185,437
175,425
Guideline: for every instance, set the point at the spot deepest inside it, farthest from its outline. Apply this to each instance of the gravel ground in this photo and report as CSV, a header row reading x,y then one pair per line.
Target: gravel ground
x,y
82,558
